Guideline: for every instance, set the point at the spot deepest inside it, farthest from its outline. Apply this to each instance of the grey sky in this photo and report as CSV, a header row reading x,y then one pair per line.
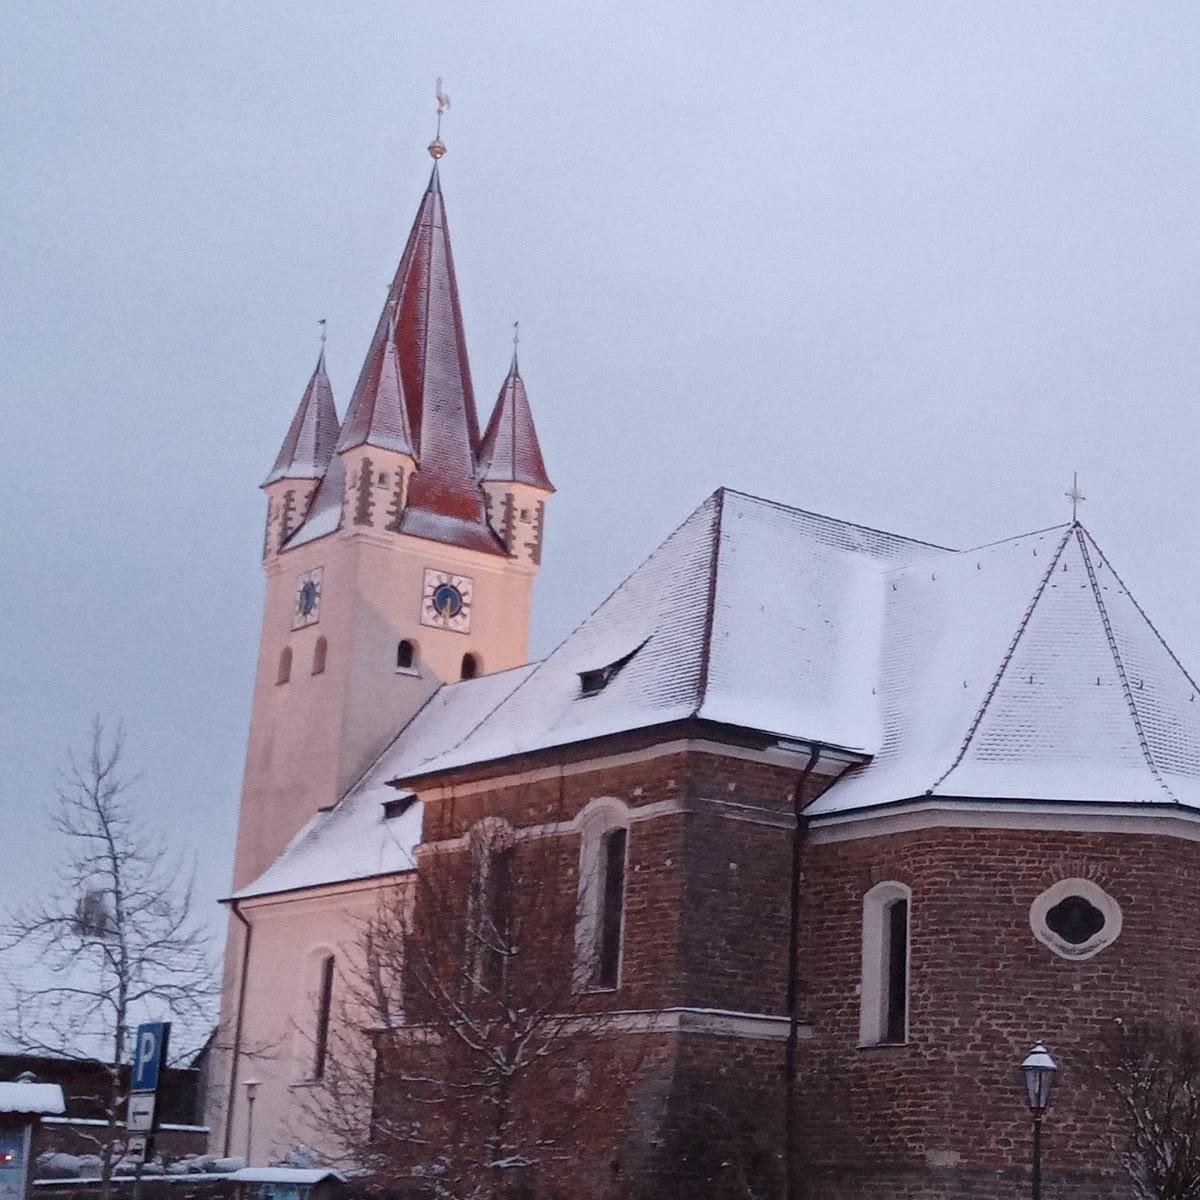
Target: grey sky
x,y
908,264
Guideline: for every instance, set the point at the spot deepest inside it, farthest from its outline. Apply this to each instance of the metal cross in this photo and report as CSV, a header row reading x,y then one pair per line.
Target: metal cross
x,y
321,322
1075,496
516,334
443,103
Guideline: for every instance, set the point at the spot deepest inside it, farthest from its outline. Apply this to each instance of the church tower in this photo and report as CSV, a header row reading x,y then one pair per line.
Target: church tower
x,y
400,551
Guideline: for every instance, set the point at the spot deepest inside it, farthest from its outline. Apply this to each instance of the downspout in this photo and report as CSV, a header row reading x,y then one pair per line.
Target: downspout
x,y
237,1027
799,838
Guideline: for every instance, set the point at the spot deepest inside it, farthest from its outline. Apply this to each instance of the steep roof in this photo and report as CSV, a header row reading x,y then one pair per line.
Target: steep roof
x,y
1019,670
1026,670
510,451
378,414
308,446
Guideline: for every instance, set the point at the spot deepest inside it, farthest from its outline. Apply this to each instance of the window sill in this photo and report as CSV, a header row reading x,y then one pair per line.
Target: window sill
x,y
305,1083
598,989
883,1045
408,671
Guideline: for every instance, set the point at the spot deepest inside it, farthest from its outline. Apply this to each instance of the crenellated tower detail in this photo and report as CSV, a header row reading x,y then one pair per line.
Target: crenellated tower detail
x,y
385,575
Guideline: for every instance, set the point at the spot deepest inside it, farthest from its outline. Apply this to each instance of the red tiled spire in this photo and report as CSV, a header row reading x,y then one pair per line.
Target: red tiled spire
x,y
445,502
378,414
308,446
510,450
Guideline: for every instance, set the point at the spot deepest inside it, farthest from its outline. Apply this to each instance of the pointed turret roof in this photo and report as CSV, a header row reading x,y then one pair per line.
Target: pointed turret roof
x,y
378,414
423,321
311,437
510,451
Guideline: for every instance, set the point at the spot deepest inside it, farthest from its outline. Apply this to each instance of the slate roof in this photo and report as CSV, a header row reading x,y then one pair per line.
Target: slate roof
x,y
1020,670
510,451
309,442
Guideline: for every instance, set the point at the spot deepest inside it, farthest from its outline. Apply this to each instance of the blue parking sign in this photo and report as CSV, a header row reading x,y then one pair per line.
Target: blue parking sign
x,y
149,1051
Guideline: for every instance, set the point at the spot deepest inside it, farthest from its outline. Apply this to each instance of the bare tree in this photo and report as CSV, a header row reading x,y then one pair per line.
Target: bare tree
x,y
1152,1071
113,941
468,1062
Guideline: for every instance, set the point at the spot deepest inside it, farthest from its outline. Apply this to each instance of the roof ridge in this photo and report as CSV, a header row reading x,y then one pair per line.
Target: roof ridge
x,y
1022,625
1115,651
1162,641
710,601
1016,537
808,512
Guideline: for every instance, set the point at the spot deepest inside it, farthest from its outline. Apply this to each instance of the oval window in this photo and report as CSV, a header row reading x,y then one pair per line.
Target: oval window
x,y
1075,918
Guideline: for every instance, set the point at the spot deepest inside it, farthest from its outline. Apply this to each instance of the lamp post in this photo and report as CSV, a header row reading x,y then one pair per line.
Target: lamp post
x,y
1038,1070
251,1086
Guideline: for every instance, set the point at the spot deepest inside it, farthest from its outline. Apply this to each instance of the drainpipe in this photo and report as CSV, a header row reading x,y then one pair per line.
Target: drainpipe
x,y
237,1028
799,837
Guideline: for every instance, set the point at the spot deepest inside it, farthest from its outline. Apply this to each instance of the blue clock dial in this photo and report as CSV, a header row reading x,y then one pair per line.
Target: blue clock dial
x,y
447,600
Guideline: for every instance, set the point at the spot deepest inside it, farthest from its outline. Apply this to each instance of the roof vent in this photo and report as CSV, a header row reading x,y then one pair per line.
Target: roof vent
x,y
594,681
398,805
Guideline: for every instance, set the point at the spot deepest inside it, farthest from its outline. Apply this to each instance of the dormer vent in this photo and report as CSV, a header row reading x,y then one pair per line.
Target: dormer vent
x,y
595,680
398,806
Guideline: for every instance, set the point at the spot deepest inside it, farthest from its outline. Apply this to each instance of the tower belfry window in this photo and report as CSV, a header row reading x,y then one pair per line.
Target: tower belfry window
x,y
470,666
284,673
320,652
406,655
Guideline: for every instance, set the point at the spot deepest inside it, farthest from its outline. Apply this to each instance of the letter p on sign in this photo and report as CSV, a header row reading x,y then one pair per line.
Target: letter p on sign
x,y
149,1050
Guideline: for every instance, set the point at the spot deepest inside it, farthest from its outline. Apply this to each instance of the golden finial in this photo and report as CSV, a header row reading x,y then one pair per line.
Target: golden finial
x,y
437,148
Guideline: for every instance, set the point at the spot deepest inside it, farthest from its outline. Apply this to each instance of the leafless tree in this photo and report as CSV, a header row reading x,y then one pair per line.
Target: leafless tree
x,y
1152,1072
468,1062
113,941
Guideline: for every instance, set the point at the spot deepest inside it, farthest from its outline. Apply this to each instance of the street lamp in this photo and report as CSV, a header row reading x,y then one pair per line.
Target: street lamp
x,y
251,1086
1038,1070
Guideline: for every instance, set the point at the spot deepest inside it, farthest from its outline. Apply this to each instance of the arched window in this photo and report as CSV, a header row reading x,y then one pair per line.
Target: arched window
x,y
319,652
406,655
324,1010
470,666
285,665
600,929
490,901
885,940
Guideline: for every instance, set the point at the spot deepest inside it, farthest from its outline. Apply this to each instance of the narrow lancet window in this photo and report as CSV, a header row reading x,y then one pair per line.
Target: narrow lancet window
x,y
406,655
612,907
319,652
885,966
285,666
470,666
324,1007
897,972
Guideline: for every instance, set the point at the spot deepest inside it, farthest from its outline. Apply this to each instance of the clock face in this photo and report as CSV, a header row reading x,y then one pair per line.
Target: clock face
x,y
446,601
306,610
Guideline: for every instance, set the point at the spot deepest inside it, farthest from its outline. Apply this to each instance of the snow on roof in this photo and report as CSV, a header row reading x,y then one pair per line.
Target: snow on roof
x,y
1018,670
33,1099
354,839
1025,670
750,613
301,1175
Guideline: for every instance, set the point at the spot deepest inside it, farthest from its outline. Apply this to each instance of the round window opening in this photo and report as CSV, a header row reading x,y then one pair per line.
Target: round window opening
x,y
1075,918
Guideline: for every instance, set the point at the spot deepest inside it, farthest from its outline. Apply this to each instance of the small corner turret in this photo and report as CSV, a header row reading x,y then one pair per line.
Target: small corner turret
x,y
302,460
513,473
376,444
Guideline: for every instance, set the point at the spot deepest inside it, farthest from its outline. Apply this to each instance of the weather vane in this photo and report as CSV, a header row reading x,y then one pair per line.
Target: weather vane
x,y
437,148
1075,496
516,334
321,322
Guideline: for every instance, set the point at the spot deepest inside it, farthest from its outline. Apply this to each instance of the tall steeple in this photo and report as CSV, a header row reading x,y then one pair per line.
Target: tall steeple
x,y
309,442
422,320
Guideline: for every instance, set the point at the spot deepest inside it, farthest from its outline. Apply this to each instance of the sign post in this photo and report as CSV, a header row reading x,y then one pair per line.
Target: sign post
x,y
145,1083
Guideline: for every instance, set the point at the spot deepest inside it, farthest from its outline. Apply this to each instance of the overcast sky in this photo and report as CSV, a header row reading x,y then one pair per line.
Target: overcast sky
x,y
904,263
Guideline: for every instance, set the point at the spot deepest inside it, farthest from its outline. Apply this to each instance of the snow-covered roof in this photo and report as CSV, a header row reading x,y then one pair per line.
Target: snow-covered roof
x,y
301,1175
32,1099
1019,670
356,839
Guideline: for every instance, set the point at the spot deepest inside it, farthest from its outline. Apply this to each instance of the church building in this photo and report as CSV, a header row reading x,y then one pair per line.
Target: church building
x,y
850,820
